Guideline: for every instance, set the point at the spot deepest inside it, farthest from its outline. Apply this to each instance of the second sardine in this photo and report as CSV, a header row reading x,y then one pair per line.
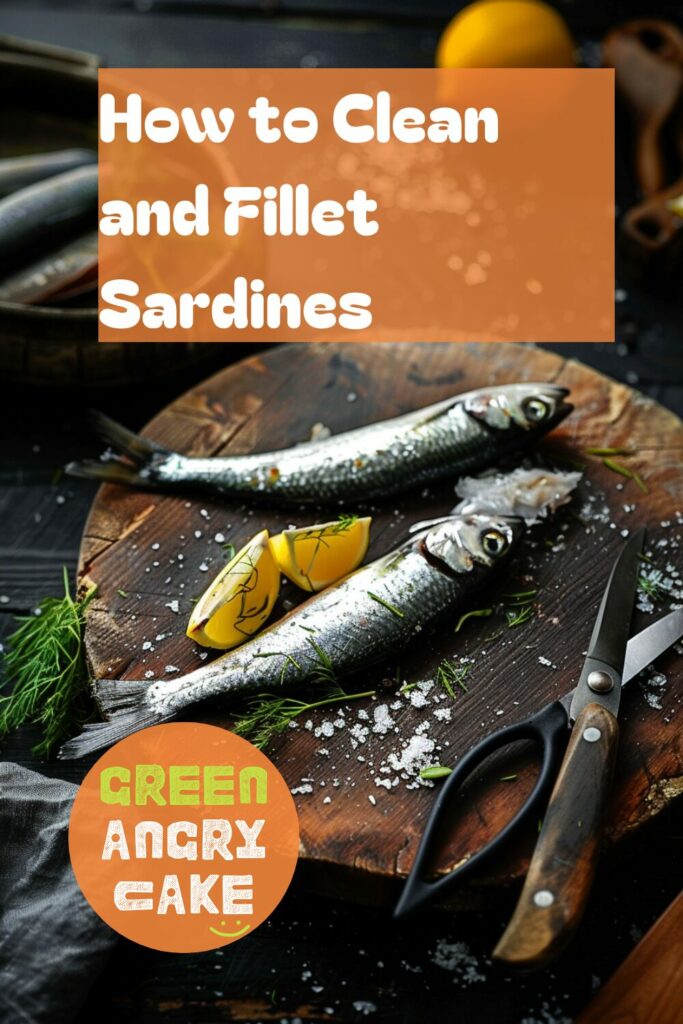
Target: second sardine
x,y
367,617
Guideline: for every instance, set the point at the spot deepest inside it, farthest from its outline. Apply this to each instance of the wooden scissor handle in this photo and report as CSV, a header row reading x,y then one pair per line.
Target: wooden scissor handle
x,y
562,868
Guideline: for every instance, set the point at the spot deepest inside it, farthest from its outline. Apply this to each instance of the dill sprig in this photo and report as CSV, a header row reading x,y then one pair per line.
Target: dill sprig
x,y
287,659
518,615
345,522
608,452
606,455
476,613
652,585
449,675
324,671
268,715
521,597
45,663
385,604
630,474
408,687
517,608
515,615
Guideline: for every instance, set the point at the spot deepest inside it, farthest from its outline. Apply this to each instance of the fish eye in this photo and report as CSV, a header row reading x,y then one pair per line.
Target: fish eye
x,y
536,409
494,543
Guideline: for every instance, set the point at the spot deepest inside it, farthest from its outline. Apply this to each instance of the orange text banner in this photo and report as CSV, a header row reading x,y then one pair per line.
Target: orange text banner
x,y
357,205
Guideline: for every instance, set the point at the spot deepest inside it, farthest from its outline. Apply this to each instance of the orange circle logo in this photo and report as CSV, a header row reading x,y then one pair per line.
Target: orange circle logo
x,y
183,837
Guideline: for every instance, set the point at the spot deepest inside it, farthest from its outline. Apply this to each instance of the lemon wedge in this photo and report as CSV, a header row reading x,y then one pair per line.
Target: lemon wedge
x,y
314,557
239,600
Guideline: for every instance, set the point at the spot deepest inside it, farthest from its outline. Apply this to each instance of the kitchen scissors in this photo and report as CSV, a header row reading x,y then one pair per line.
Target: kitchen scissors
x,y
578,737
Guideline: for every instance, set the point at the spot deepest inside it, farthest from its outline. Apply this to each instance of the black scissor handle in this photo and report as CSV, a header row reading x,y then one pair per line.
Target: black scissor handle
x,y
550,729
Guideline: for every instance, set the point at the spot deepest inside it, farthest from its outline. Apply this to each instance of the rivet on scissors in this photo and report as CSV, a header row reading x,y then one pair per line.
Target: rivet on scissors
x,y
591,735
544,898
600,682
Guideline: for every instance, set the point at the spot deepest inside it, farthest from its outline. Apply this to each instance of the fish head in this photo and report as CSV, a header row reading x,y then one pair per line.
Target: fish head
x,y
462,542
533,408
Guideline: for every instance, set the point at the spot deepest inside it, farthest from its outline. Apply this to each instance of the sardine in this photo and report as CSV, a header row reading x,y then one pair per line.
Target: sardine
x,y
63,273
47,212
18,172
457,434
367,617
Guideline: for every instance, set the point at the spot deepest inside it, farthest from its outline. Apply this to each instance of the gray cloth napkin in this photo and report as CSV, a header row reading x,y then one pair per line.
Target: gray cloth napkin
x,y
52,944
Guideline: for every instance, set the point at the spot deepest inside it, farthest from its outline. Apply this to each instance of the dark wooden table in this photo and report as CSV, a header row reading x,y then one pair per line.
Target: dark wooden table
x,y
317,959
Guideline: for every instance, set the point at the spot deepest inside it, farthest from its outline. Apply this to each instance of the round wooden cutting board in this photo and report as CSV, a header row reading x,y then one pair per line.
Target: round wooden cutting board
x,y
361,810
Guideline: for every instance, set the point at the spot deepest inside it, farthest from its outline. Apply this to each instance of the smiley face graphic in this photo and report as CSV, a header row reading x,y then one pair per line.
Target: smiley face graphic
x,y
231,935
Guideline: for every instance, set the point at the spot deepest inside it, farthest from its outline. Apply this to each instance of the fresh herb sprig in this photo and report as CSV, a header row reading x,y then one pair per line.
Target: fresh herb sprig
x,y
45,665
435,771
450,675
345,522
607,456
651,584
516,608
519,616
268,715
630,474
476,613
385,604
324,670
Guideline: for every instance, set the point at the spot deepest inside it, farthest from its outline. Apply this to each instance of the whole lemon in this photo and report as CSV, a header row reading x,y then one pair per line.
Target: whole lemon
x,y
506,34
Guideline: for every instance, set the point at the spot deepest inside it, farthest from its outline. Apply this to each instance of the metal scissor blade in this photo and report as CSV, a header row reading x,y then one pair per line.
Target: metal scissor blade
x,y
643,648
611,630
607,648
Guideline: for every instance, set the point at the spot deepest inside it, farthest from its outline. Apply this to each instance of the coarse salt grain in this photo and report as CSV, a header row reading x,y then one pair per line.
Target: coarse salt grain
x,y
383,721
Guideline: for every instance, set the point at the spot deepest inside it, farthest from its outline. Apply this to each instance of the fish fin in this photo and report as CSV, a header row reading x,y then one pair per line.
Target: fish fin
x,y
114,696
123,441
120,700
129,448
100,735
114,471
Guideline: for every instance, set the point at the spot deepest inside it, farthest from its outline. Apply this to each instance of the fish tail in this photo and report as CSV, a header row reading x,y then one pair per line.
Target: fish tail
x,y
134,456
113,472
124,441
122,701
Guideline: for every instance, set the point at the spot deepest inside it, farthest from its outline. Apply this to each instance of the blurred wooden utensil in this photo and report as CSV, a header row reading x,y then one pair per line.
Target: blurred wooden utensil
x,y
648,987
647,56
